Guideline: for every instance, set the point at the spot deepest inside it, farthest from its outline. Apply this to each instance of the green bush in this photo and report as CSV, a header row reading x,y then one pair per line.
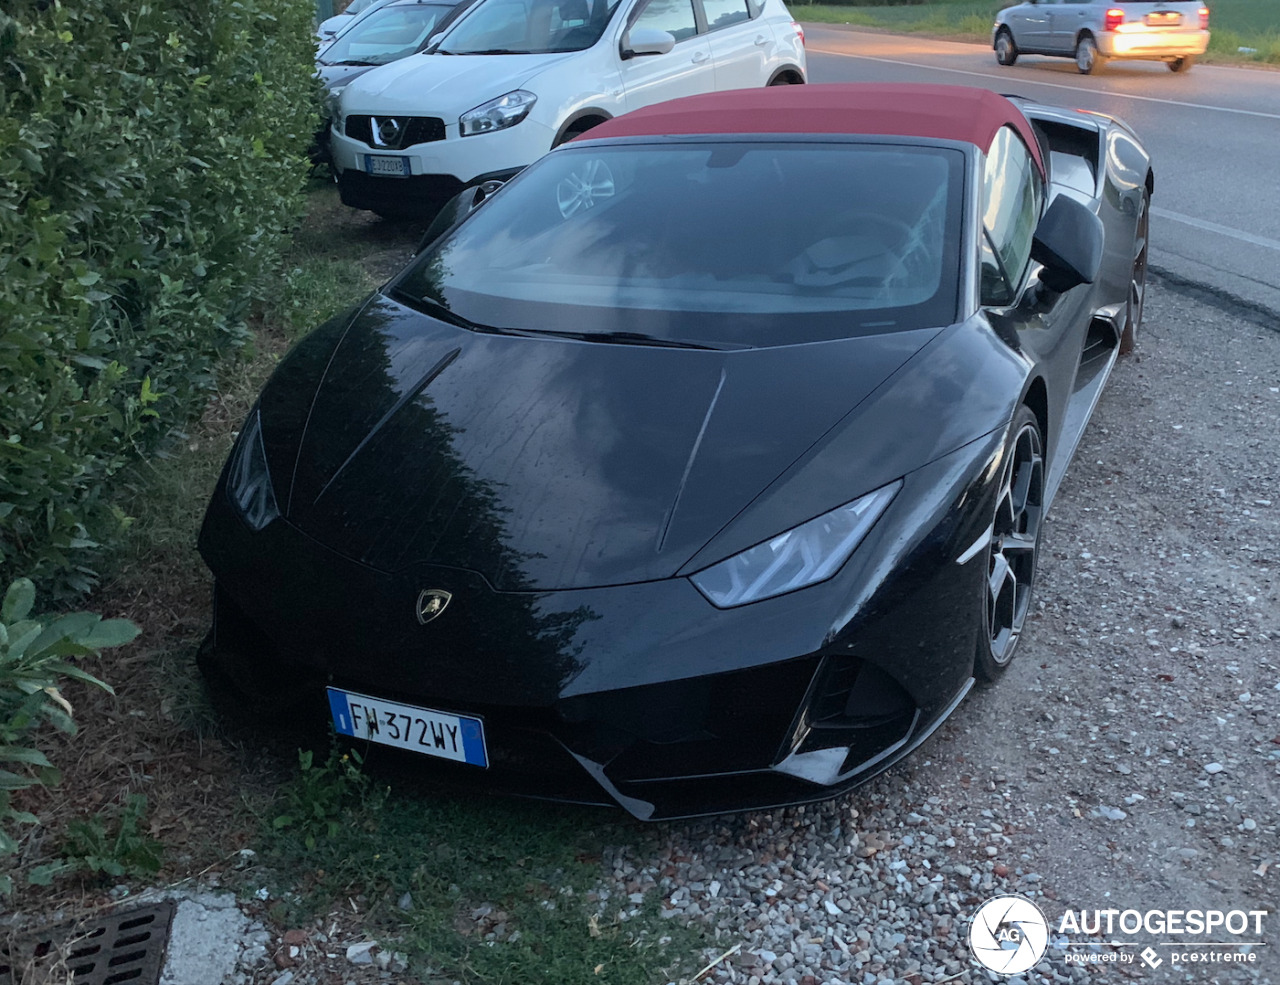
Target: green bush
x,y
34,657
152,157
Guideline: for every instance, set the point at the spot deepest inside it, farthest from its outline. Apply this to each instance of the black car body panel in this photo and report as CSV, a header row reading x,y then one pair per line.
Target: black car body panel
x,y
565,494
606,482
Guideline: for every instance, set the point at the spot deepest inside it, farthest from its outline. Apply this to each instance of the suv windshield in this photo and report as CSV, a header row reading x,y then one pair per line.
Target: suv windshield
x,y
387,34
526,27
719,242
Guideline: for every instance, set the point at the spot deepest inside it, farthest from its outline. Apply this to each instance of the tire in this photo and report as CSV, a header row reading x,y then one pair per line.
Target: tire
x,y
1137,299
1182,64
1088,60
781,80
1006,50
1014,548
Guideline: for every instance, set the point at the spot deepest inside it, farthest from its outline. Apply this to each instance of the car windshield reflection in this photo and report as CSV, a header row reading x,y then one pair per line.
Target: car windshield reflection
x,y
526,27
727,243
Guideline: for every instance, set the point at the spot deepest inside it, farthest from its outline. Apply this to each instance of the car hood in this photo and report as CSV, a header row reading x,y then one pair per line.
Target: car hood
x,y
334,76
437,85
546,463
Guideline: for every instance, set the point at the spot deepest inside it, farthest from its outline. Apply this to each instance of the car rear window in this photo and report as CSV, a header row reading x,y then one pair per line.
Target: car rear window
x,y
743,243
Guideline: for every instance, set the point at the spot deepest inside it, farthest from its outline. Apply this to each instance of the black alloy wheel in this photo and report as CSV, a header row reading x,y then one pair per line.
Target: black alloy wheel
x,y
1137,278
1015,543
1006,50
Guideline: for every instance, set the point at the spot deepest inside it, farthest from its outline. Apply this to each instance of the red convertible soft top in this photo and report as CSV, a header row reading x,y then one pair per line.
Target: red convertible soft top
x,y
902,110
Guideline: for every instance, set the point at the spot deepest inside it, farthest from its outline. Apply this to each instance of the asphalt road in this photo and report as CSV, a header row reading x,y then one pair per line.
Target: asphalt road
x,y
1214,134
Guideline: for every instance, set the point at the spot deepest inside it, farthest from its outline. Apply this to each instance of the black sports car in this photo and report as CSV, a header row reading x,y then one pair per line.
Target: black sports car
x,y
703,465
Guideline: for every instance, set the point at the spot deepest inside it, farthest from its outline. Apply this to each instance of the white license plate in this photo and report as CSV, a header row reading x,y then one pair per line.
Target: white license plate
x,y
1163,18
385,164
389,723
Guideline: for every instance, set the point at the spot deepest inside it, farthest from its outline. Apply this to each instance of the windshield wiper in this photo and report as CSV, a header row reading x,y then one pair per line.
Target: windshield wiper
x,y
353,61
437,310
625,338
491,51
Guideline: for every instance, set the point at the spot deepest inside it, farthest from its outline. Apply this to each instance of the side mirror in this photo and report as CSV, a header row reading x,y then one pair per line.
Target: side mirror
x,y
647,41
455,210
1068,242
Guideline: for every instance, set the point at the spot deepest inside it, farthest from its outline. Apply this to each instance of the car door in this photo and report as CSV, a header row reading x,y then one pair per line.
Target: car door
x,y
1065,20
741,43
1030,24
1050,329
686,70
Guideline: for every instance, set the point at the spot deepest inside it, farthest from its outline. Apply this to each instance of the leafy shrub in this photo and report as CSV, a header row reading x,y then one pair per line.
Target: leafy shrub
x,y
151,161
323,799
108,844
34,657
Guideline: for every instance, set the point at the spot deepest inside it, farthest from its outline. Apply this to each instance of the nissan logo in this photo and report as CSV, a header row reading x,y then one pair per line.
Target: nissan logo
x,y
387,131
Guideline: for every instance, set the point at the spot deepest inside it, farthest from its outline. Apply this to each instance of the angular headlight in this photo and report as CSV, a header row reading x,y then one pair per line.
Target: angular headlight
x,y
248,480
804,555
497,114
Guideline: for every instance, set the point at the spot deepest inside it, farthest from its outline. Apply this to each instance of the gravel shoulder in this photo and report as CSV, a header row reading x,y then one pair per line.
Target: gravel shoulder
x,y
1131,756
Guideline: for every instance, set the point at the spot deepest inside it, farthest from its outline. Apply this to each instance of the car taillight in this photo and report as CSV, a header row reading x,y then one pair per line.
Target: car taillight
x,y
1114,18
800,30
1204,18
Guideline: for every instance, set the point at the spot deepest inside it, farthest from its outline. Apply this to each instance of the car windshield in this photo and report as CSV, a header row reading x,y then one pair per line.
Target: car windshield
x,y
387,34
524,27
723,242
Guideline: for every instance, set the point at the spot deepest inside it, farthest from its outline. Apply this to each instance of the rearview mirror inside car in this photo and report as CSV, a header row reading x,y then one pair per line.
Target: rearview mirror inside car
x,y
455,210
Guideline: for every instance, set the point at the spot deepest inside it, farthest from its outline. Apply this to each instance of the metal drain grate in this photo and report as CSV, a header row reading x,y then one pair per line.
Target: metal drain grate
x,y
121,948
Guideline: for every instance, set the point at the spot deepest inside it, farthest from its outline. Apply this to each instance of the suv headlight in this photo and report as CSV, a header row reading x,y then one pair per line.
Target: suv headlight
x,y
248,479
804,555
497,114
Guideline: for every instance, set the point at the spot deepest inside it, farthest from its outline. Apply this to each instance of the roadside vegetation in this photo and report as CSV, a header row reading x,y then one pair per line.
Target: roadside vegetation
x,y
1241,31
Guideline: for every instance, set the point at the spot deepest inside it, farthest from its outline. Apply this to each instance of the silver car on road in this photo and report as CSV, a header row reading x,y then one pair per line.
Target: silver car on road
x,y
1175,32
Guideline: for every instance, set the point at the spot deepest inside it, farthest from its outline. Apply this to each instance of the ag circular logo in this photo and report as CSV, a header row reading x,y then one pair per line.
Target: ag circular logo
x,y
1008,934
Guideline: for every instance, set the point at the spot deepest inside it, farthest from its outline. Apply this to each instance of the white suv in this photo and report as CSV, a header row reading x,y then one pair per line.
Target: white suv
x,y
514,78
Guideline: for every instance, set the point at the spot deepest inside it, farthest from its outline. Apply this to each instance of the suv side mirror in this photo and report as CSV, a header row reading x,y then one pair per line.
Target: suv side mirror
x,y
647,41
1068,242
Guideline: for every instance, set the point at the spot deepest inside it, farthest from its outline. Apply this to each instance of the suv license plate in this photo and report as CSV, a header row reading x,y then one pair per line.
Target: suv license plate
x,y
422,730
387,165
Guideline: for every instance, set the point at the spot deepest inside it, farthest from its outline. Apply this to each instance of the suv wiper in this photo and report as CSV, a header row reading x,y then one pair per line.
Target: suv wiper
x,y
491,51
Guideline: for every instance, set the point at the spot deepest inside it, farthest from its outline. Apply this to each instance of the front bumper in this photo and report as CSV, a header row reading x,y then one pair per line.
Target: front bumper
x,y
438,169
641,695
1148,44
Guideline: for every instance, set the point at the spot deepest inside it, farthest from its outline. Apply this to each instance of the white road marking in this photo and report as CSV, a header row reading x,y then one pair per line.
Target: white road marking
x,y
1213,227
1017,79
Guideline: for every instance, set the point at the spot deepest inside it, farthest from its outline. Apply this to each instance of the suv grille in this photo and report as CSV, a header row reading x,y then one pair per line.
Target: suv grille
x,y
403,130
